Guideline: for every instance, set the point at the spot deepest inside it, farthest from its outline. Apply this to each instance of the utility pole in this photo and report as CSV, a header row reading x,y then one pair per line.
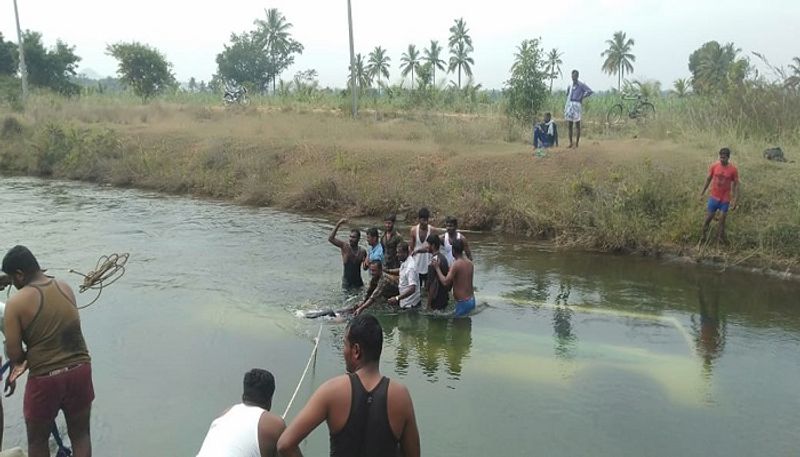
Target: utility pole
x,y
22,68
353,85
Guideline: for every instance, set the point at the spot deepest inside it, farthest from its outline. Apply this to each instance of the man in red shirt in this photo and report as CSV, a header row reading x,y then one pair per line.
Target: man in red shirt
x,y
724,180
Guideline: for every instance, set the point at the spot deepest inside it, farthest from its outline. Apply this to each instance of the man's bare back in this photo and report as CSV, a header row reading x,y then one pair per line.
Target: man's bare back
x,y
463,272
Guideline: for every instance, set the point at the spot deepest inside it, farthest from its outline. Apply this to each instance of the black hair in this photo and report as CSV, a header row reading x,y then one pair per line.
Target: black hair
x,y
424,213
434,240
390,217
20,258
403,245
576,72
366,331
450,220
258,387
372,231
725,152
458,246
548,114
378,263
356,232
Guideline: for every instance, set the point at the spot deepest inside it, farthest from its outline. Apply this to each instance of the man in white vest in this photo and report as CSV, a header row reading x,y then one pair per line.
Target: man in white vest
x,y
247,429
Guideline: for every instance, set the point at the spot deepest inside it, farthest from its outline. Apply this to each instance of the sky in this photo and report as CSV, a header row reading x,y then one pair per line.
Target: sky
x,y
192,33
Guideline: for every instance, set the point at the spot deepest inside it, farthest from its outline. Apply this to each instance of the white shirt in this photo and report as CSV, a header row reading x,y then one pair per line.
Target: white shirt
x,y
447,247
423,259
234,434
409,277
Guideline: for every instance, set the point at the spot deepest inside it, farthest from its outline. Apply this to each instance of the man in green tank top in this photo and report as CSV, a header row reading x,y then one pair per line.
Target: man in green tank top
x,y
43,315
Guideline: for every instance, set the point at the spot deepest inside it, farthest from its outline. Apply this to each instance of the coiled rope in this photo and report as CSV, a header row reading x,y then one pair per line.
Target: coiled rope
x,y
308,364
108,270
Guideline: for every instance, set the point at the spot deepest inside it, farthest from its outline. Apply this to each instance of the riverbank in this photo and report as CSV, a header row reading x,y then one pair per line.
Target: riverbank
x,y
634,190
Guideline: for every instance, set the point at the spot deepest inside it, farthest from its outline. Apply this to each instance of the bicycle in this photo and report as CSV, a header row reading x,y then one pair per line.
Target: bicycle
x,y
641,109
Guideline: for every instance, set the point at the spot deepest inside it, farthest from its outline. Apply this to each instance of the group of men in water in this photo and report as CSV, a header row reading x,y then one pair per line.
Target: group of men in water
x,y
427,267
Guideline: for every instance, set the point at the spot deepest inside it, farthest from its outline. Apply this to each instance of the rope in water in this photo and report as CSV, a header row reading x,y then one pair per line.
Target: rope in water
x,y
308,364
108,270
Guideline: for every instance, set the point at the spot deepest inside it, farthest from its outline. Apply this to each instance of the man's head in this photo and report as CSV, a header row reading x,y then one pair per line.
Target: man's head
x,y
547,117
724,156
388,222
402,251
434,243
423,216
458,247
259,385
372,236
20,264
575,75
451,223
375,269
355,237
363,342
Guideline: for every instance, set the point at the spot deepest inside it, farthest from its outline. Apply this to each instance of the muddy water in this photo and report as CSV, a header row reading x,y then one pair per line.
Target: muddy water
x,y
573,354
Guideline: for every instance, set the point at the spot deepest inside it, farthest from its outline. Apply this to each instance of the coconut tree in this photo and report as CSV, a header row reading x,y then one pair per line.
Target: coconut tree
x,y
552,66
680,87
410,62
460,60
363,78
433,57
378,65
794,79
619,58
459,33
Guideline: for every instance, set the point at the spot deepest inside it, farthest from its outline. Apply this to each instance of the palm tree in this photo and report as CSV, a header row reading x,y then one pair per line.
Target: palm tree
x,y
410,63
619,57
274,33
378,65
433,57
460,44
552,66
459,33
461,60
794,79
363,78
680,87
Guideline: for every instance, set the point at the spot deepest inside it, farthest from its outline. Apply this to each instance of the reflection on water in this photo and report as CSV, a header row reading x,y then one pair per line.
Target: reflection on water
x,y
565,339
709,326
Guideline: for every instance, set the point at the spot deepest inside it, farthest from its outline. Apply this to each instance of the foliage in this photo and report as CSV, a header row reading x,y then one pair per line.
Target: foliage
x,y
410,62
619,58
378,64
257,57
716,69
363,79
8,57
793,80
525,90
143,68
680,88
50,68
553,66
648,89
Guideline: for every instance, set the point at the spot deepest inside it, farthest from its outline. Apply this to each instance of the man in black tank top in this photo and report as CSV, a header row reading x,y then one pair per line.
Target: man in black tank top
x,y
368,415
352,256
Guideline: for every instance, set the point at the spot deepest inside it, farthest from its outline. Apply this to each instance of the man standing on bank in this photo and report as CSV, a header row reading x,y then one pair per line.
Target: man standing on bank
x,y
576,94
44,316
724,180
368,414
352,256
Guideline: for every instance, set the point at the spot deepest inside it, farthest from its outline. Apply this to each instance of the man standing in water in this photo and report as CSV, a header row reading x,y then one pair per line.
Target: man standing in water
x,y
418,243
460,277
408,282
247,429
375,252
438,294
724,180
44,316
352,256
452,234
576,94
390,240
367,413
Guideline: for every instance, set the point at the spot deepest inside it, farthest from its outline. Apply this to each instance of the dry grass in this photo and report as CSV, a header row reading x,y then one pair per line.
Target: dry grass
x,y
616,193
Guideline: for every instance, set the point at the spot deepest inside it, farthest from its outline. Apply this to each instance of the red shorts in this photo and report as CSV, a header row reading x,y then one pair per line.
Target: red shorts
x,y
71,391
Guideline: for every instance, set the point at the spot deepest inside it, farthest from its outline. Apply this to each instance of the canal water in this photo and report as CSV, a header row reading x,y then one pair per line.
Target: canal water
x,y
572,354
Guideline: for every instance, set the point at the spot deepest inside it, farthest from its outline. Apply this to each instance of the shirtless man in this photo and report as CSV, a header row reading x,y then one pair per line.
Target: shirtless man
x,y
352,256
460,277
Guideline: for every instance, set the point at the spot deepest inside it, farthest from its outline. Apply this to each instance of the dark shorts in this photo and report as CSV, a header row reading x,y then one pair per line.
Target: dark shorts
x,y
714,205
71,391
423,280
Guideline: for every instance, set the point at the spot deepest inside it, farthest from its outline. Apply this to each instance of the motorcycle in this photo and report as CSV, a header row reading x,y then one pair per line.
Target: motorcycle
x,y
237,96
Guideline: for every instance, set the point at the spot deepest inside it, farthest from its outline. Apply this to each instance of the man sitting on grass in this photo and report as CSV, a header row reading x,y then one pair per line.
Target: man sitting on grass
x,y
545,134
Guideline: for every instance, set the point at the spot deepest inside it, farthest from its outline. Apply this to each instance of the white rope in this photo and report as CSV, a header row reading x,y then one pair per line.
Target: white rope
x,y
308,364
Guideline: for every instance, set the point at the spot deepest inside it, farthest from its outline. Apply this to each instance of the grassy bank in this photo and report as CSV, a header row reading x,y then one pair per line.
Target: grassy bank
x,y
634,189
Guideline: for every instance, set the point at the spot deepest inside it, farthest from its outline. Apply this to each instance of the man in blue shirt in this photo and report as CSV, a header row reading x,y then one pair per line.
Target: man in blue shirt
x,y
375,249
576,93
